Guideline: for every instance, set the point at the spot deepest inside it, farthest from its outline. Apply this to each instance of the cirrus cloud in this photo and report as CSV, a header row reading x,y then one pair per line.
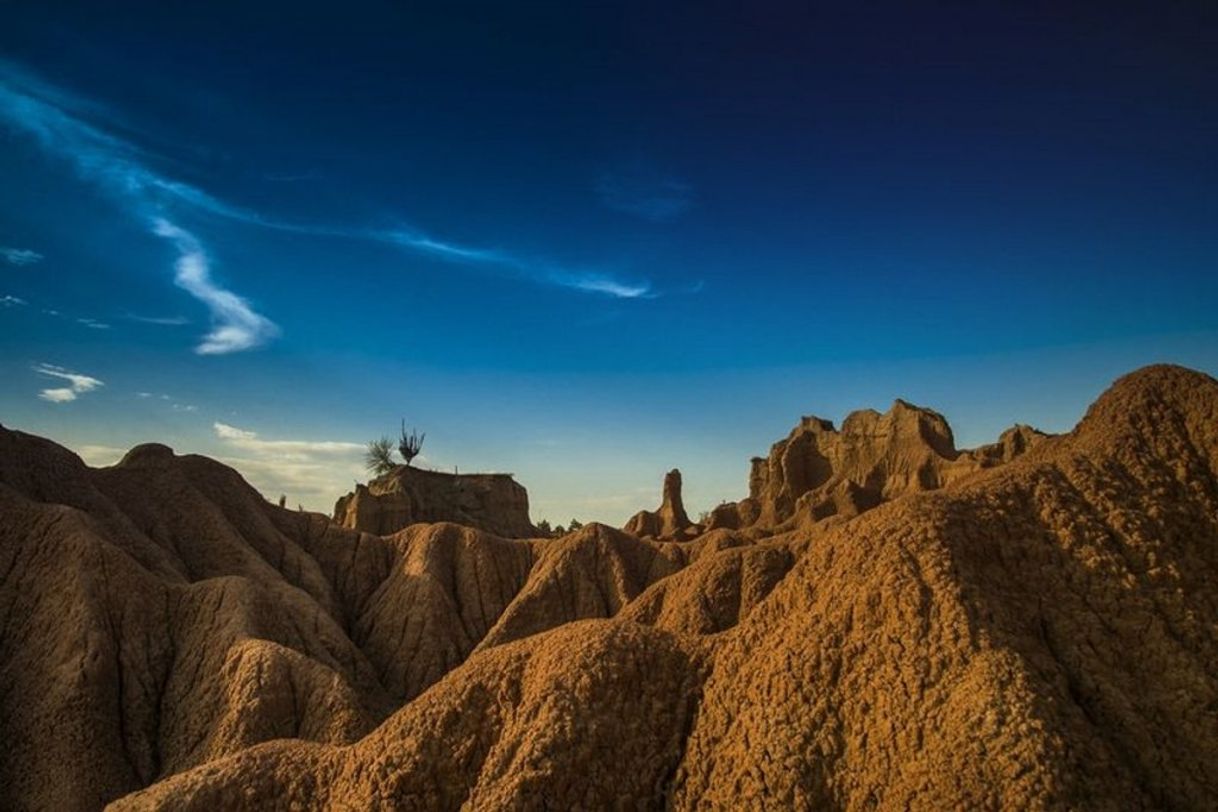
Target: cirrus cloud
x,y
56,121
78,384
20,256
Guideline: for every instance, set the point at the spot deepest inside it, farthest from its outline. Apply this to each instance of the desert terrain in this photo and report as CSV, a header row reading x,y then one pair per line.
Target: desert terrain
x,y
884,621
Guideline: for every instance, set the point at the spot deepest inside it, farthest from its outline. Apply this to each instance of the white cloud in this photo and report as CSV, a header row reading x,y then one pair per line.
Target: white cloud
x,y
54,120
295,449
117,167
94,323
314,472
236,326
78,384
163,321
11,301
595,283
173,403
58,395
20,256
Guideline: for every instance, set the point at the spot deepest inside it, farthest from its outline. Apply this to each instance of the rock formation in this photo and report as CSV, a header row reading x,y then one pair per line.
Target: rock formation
x,y
818,471
160,614
495,503
670,521
1037,634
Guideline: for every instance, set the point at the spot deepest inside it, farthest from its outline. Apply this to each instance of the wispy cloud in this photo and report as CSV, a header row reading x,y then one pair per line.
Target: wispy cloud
x,y
86,321
52,119
581,280
315,472
118,168
646,194
12,301
163,321
20,256
174,404
250,441
78,384
236,326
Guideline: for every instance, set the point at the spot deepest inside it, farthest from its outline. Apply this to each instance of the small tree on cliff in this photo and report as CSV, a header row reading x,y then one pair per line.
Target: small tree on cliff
x,y
410,444
379,456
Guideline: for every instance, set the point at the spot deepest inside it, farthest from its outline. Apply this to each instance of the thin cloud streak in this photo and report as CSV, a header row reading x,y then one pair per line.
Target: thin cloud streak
x,y
162,321
250,441
115,166
20,256
120,168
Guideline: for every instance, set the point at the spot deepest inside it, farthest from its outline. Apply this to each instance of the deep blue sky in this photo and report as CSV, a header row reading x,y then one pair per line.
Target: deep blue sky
x,y
588,244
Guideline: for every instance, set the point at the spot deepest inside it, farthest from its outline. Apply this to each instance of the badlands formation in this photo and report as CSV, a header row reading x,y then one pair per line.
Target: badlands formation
x,y
884,622
495,503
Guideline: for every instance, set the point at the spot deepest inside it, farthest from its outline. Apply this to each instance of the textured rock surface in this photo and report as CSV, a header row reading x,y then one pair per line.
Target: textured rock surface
x,y
495,503
670,521
1043,634
818,471
160,614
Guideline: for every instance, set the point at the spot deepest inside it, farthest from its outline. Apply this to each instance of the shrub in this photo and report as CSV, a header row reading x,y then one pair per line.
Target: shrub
x,y
379,456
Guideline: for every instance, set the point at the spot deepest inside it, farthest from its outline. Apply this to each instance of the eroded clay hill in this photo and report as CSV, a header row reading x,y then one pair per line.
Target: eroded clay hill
x,y
1040,634
160,614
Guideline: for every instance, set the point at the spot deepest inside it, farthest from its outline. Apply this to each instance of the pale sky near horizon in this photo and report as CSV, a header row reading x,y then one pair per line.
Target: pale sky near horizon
x,y
587,245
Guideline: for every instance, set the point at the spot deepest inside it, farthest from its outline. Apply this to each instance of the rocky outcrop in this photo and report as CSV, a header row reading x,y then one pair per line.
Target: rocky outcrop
x,y
495,503
819,471
1037,634
160,614
1041,635
670,520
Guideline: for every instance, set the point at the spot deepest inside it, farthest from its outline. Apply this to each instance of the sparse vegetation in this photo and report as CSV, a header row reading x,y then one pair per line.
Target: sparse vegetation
x,y
410,444
574,525
379,456
544,529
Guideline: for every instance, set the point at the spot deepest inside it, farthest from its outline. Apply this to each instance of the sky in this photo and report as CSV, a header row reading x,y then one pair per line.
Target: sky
x,y
586,243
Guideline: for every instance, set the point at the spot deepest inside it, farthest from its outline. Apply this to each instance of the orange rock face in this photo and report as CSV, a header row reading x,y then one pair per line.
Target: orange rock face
x,y
495,503
819,472
1037,634
670,521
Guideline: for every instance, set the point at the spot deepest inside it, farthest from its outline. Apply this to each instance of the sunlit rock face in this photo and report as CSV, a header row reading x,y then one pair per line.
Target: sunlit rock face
x,y
493,502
